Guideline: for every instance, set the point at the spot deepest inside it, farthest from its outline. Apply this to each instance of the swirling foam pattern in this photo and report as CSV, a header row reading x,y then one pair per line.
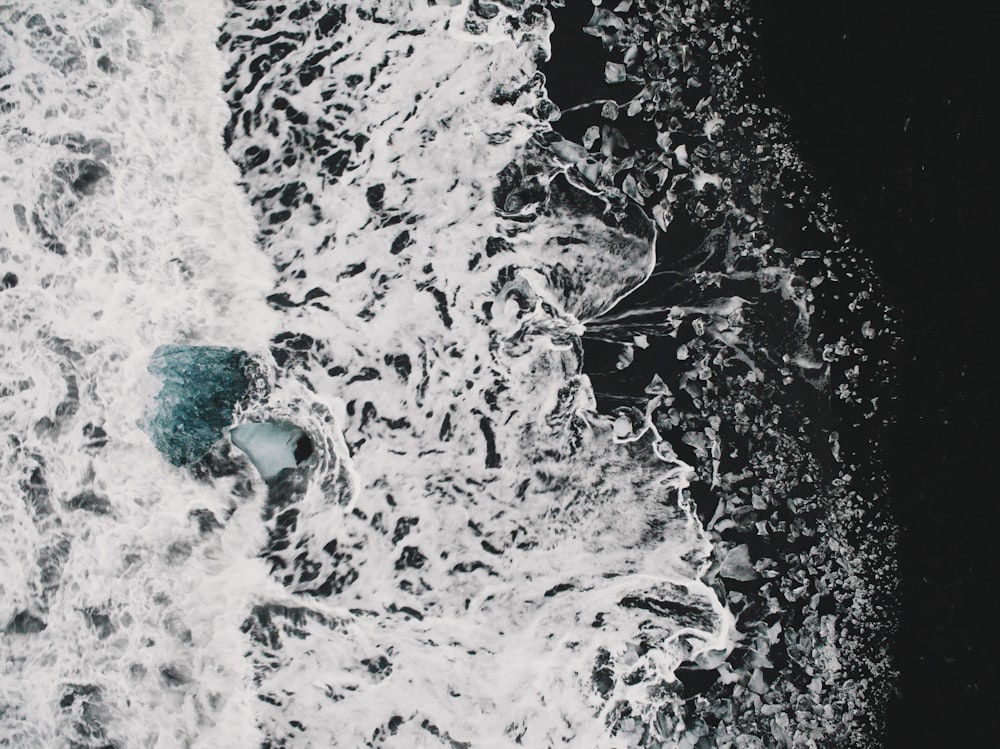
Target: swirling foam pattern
x,y
369,200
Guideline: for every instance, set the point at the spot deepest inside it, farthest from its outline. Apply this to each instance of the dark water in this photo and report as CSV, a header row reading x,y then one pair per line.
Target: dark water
x,y
889,107
823,363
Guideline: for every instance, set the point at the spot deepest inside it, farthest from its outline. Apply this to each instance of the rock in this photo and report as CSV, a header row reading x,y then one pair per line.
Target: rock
x,y
201,387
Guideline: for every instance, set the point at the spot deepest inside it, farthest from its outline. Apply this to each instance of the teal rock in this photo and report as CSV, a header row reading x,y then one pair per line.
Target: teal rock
x,y
201,387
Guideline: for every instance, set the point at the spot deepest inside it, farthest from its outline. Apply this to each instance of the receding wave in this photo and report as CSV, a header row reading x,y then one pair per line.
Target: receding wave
x,y
349,399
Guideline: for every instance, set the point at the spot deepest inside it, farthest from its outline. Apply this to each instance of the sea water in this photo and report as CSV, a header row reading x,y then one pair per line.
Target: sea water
x,y
370,201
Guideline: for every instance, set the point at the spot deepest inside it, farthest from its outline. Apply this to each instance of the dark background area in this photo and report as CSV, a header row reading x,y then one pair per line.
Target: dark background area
x,y
892,106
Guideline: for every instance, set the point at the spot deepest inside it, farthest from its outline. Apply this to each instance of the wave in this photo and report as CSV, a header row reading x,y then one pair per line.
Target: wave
x,y
484,549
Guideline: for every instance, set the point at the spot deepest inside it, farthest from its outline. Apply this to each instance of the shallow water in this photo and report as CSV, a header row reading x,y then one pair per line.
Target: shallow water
x,y
371,202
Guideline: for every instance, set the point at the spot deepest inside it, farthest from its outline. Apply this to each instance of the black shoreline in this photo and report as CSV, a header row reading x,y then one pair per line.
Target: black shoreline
x,y
883,107
885,103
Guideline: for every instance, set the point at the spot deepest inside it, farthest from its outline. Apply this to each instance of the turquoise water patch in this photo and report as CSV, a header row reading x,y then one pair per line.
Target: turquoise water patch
x,y
201,387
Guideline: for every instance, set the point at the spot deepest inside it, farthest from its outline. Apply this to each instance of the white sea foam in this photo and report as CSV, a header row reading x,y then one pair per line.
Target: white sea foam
x,y
476,558
499,540
161,251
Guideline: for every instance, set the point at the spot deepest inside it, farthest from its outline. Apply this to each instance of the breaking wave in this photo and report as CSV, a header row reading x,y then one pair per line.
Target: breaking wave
x,y
492,523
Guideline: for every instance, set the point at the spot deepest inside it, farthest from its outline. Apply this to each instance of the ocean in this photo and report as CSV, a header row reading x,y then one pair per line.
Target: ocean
x,y
573,387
